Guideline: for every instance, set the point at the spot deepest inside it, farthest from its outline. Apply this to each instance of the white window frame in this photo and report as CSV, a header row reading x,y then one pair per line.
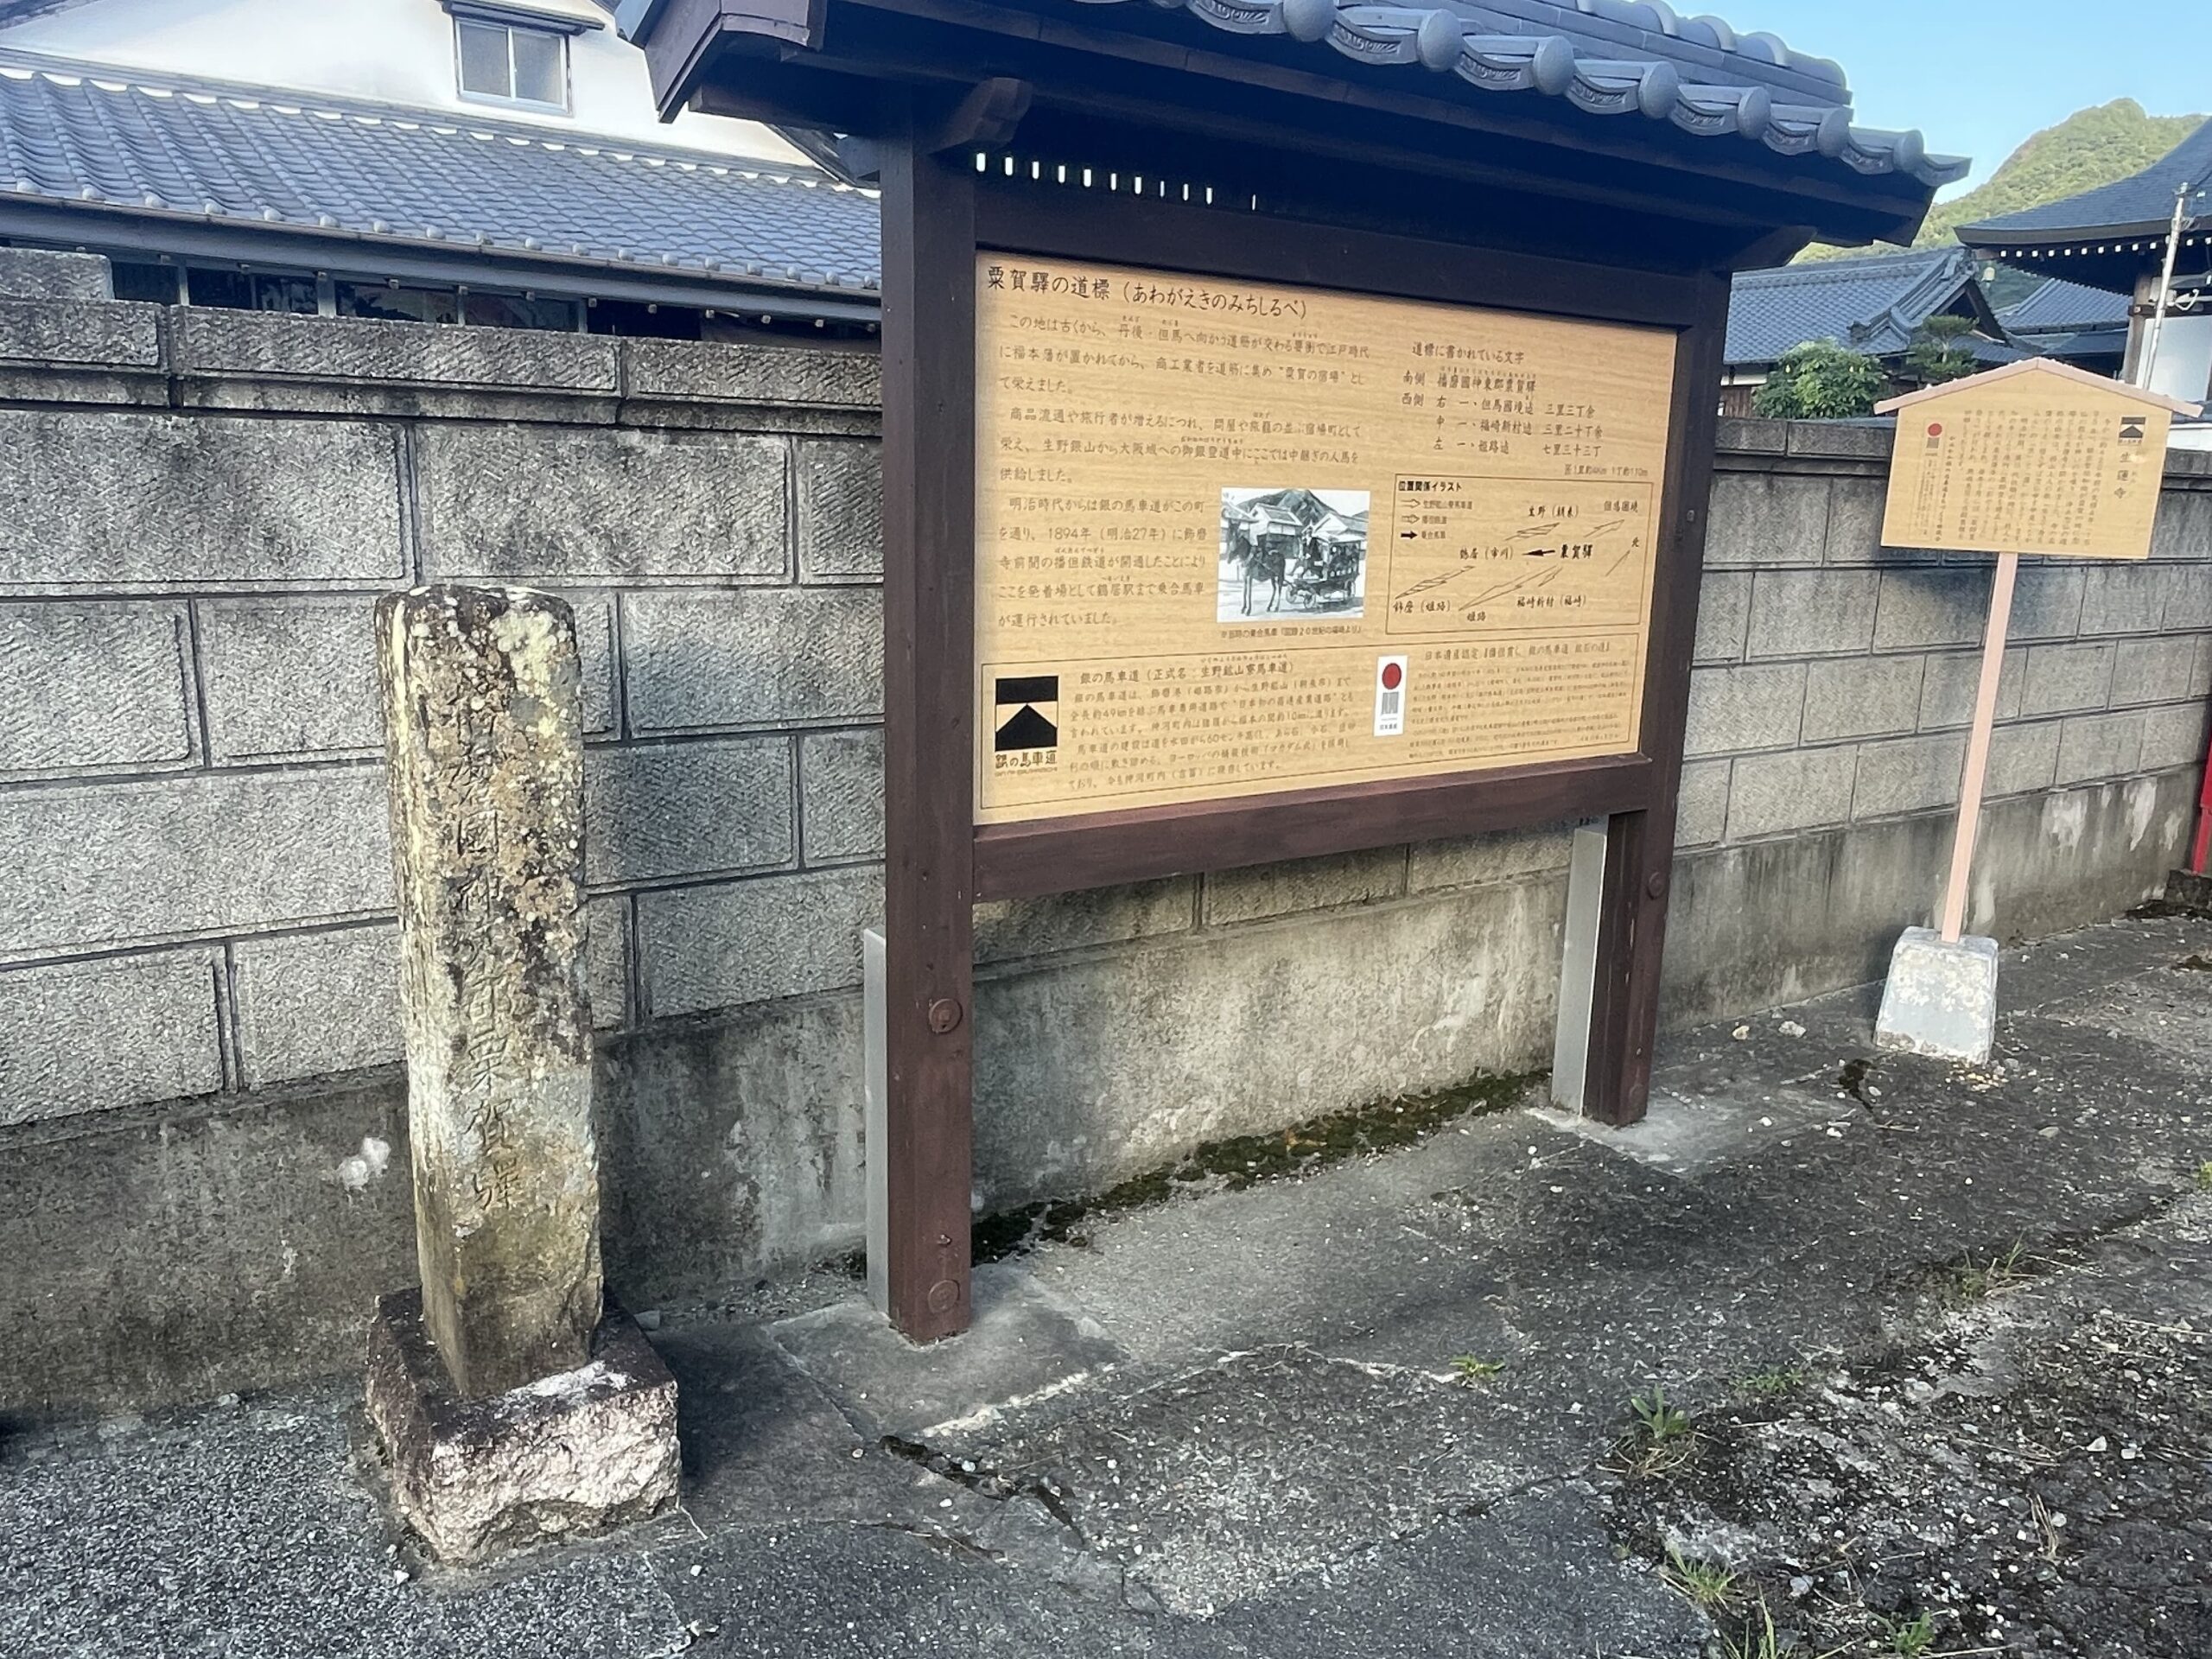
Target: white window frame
x,y
510,101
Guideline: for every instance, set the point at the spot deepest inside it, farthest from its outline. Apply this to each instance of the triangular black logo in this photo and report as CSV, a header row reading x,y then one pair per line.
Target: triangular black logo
x,y
1027,729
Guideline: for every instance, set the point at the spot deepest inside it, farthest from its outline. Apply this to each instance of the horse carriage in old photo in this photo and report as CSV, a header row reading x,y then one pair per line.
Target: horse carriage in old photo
x,y
1291,548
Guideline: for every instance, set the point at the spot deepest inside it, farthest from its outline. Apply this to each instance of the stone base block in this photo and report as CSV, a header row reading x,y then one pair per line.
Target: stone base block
x,y
573,1454
1940,999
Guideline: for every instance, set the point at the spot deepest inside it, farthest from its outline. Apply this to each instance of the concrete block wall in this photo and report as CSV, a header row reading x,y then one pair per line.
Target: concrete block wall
x,y
1835,678
1833,683
197,1028
197,900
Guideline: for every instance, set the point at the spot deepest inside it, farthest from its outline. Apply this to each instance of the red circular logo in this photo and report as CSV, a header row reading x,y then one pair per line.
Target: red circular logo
x,y
1935,429
1392,677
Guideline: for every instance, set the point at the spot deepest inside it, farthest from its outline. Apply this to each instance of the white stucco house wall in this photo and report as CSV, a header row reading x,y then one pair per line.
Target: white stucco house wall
x,y
403,52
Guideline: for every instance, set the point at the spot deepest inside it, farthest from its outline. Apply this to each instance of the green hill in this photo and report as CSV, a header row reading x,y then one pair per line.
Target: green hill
x,y
2089,147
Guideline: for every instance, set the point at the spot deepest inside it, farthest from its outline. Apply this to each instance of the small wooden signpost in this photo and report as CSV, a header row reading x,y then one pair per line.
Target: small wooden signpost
x,y
2036,458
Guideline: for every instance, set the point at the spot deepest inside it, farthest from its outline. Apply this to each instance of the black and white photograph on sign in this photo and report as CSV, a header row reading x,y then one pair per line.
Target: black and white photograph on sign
x,y
1292,553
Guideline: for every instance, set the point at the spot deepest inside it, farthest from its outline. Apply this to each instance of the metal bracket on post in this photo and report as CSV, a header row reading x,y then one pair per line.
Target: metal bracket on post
x,y
875,1084
1577,969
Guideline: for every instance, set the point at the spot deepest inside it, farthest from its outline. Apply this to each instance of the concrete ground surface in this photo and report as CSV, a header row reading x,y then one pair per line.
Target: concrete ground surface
x,y
1842,1353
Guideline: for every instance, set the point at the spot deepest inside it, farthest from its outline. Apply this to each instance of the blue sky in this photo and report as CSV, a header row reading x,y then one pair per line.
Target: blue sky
x,y
1978,76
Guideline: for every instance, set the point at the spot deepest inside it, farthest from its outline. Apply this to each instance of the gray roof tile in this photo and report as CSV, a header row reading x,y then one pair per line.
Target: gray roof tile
x,y
2058,304
1874,304
244,155
1607,57
2141,202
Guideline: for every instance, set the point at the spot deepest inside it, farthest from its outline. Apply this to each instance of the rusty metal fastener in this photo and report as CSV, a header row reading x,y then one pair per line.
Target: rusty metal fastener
x,y
944,1296
944,1015
1656,887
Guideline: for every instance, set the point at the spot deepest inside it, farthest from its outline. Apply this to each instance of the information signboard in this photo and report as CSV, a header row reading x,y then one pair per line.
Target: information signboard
x,y
2037,457
1234,538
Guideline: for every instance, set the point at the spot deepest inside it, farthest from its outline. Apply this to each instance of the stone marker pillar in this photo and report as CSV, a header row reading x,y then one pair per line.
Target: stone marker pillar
x,y
509,1409
482,698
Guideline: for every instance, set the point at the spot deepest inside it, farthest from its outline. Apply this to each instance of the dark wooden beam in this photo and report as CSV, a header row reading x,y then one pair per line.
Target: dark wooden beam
x,y
750,89
986,116
1775,247
929,615
1077,224
1020,860
1640,845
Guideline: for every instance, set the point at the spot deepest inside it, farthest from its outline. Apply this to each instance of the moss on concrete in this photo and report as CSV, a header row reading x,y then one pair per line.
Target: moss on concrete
x,y
1237,1163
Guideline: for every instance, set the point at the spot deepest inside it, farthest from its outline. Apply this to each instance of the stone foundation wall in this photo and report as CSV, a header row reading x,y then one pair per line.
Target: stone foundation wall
x,y
198,1022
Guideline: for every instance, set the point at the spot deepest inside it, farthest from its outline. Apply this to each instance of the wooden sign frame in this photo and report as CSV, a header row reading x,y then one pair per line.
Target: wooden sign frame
x,y
938,213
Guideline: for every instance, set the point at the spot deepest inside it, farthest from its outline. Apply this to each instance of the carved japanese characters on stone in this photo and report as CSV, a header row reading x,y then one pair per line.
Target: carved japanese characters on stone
x,y
483,736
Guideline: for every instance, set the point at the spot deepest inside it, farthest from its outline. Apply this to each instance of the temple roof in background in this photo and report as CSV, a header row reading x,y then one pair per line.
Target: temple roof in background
x,y
1874,305
2141,204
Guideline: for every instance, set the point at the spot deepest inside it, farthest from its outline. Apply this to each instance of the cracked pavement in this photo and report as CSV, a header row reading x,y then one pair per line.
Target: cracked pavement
x,y
1941,1335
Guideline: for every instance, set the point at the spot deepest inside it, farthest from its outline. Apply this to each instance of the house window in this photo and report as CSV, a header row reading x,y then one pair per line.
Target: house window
x,y
394,301
134,281
249,290
506,63
518,311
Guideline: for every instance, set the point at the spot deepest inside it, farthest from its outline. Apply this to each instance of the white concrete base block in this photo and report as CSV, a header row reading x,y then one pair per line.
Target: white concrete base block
x,y
1941,1000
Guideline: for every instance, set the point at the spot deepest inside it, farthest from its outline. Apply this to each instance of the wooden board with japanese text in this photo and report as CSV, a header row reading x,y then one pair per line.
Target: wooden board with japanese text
x,y
1236,539
2030,459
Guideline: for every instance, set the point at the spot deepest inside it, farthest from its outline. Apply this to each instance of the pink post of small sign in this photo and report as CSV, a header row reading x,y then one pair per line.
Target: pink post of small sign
x,y
1977,766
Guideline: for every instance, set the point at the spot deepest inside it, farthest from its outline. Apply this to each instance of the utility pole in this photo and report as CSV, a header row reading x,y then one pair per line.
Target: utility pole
x,y
2148,361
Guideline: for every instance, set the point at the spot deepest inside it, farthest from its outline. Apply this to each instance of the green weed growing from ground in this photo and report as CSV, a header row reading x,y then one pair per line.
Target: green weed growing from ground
x,y
1759,1640
1472,1369
1976,1279
1777,1383
1661,1437
1705,1584
1657,1422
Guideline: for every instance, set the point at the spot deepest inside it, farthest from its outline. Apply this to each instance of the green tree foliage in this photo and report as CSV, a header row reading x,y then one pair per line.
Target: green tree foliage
x,y
1939,351
2091,147
1820,381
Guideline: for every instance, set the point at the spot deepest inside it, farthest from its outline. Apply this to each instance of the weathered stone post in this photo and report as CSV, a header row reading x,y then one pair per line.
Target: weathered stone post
x,y
483,741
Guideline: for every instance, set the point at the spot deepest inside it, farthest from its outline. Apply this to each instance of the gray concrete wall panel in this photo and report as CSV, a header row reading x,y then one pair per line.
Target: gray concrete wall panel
x,y
103,500
547,505
87,687
91,1036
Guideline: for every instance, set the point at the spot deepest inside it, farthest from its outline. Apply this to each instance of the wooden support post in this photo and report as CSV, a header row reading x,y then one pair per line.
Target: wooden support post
x,y
928,511
1977,768
1640,845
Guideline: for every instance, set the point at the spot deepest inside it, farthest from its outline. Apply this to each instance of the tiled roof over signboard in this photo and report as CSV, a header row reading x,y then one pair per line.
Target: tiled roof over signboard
x,y
1605,57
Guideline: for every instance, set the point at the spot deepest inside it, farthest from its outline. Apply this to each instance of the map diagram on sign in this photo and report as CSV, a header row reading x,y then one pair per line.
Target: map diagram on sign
x,y
1472,553
1235,538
